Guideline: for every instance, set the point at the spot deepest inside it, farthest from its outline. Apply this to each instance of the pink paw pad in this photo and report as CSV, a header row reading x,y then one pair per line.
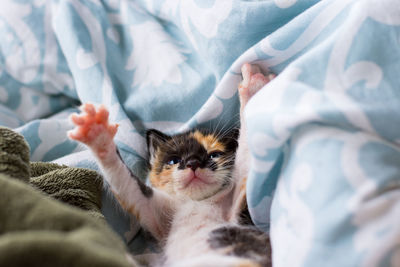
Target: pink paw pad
x,y
92,127
253,81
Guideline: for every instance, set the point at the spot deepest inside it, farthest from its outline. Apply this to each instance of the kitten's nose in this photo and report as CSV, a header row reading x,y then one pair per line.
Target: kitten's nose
x,y
192,164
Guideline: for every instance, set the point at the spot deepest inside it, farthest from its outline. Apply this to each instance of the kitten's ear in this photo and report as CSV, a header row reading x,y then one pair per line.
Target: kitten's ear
x,y
154,139
231,140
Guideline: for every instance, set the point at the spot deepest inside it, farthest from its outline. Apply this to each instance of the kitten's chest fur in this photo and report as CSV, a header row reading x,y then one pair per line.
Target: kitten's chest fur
x,y
191,227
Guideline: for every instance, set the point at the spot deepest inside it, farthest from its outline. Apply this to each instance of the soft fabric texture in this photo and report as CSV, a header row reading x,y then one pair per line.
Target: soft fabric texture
x,y
324,135
75,186
36,230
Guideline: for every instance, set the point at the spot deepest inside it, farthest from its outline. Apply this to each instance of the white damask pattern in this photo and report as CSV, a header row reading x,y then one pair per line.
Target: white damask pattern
x,y
324,135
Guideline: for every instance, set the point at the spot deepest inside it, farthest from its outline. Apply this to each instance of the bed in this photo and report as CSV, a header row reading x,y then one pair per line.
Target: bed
x,y
324,135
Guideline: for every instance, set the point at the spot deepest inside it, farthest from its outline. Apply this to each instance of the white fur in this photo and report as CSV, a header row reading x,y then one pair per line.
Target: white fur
x,y
183,225
187,243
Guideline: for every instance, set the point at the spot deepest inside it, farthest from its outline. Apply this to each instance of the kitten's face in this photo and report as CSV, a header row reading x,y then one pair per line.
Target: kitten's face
x,y
194,164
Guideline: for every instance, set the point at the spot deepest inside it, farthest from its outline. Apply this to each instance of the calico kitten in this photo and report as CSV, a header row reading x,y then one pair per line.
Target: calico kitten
x,y
198,187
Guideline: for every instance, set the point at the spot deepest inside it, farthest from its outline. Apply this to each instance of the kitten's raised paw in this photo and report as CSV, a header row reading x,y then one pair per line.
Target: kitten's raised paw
x,y
253,81
92,128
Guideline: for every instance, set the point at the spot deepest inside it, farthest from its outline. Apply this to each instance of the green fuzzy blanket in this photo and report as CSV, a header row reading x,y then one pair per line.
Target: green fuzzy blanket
x,y
50,214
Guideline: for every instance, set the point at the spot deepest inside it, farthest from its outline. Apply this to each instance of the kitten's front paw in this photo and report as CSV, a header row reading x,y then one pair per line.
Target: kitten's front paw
x,y
93,129
253,81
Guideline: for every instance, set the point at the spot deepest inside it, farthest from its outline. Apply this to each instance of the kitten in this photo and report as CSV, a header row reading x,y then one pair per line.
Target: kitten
x,y
198,187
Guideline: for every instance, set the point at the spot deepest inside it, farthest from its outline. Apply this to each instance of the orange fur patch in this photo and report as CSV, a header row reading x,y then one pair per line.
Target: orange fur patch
x,y
243,184
131,209
157,162
210,142
163,180
247,263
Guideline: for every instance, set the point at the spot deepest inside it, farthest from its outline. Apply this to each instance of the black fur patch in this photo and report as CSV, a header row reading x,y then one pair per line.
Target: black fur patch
x,y
146,190
190,149
244,216
246,242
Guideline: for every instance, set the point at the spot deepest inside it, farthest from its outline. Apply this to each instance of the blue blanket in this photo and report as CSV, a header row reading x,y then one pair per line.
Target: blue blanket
x,y
324,135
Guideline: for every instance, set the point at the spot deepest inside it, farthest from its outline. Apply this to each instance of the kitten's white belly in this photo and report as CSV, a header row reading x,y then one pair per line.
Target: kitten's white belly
x,y
190,231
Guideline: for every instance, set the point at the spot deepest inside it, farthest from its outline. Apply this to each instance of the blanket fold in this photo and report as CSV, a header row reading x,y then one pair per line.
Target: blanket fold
x,y
75,186
14,155
36,229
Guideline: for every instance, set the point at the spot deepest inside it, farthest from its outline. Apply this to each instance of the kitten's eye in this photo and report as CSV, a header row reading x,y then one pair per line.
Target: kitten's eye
x,y
215,154
173,160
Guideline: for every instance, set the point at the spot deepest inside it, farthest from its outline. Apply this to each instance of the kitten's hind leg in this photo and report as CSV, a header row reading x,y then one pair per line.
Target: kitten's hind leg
x,y
253,81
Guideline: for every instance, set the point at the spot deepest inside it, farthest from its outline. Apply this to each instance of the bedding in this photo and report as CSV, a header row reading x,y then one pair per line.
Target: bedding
x,y
37,227
324,135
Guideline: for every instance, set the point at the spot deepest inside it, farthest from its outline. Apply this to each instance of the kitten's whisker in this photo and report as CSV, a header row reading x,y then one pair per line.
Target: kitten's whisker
x,y
227,122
